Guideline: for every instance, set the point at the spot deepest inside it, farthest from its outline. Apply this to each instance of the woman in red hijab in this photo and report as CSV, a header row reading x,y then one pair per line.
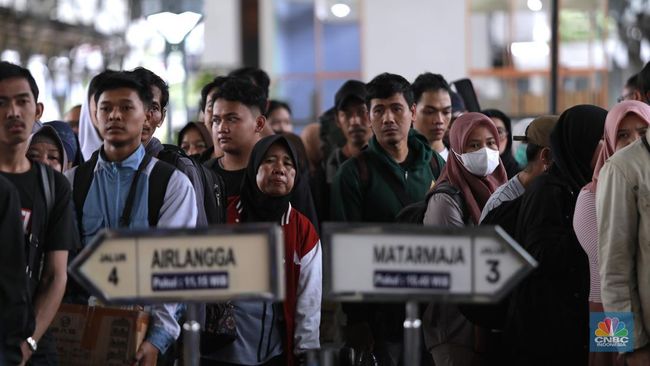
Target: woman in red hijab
x,y
475,169
625,123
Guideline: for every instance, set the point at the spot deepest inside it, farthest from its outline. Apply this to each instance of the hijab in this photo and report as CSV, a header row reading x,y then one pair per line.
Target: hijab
x,y
476,190
48,134
613,120
89,138
257,205
68,139
573,142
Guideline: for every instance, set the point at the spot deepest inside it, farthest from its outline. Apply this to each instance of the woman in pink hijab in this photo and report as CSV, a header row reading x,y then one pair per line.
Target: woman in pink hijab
x,y
626,122
474,168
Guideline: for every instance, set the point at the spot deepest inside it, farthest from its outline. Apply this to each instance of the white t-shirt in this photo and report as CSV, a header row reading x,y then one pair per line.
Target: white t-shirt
x,y
444,153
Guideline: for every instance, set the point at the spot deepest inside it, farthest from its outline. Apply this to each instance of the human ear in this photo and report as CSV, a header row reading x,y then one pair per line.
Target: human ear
x,y
39,111
260,122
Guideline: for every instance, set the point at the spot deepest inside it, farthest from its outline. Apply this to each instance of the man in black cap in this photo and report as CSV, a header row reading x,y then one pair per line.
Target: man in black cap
x,y
351,116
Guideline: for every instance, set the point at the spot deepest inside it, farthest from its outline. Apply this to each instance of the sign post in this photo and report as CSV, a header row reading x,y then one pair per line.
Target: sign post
x,y
182,265
411,263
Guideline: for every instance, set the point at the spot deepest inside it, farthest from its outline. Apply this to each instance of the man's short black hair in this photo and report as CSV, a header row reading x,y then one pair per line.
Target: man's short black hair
x,y
277,104
148,77
215,83
242,90
10,71
125,79
386,85
258,76
428,82
98,79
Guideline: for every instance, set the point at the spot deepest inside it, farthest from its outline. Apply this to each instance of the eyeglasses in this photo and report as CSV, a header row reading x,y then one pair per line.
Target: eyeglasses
x,y
502,131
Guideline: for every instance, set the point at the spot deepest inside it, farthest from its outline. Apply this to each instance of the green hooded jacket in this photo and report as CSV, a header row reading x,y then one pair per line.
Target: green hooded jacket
x,y
375,200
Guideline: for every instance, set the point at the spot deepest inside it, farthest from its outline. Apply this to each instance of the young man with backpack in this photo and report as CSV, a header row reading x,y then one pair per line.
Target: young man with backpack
x,y
207,184
395,169
123,187
46,207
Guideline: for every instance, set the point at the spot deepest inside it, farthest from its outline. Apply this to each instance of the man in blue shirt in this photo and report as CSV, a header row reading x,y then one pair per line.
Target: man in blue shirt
x,y
122,105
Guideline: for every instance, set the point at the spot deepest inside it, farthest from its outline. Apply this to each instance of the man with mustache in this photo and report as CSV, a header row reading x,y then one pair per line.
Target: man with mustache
x,y
49,228
351,116
393,171
432,110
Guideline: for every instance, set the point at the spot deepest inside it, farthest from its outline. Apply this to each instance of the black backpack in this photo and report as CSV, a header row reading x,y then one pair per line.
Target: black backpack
x,y
160,175
212,184
414,213
505,215
494,316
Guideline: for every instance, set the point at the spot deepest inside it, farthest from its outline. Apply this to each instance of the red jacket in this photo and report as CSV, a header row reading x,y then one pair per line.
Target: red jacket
x,y
303,272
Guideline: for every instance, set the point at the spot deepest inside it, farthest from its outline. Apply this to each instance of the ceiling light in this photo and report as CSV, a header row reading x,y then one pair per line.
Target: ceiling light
x,y
340,10
534,5
174,27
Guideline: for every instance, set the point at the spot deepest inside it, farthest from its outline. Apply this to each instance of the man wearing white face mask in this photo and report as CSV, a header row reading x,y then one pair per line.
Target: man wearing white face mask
x,y
473,171
538,154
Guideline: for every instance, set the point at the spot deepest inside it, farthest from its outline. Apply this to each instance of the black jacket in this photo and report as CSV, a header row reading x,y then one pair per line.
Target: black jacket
x,y
548,315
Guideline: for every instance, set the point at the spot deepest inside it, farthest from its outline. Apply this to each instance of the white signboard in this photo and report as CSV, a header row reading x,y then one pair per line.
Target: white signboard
x,y
402,262
183,265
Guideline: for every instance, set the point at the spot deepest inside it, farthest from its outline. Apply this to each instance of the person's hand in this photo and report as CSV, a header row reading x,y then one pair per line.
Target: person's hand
x,y
26,351
147,355
640,357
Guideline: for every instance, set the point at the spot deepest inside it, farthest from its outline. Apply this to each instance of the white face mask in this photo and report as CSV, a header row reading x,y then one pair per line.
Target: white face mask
x,y
480,162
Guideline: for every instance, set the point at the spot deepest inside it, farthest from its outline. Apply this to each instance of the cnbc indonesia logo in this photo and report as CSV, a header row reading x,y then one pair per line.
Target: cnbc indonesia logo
x,y
611,332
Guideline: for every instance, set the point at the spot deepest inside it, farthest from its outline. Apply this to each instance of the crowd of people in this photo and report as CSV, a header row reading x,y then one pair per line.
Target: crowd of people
x,y
580,206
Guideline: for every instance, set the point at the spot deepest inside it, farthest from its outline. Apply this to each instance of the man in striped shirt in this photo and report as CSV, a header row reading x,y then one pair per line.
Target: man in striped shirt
x,y
538,153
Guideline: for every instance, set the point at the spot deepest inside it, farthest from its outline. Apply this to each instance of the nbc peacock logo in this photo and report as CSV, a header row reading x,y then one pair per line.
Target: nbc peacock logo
x,y
611,332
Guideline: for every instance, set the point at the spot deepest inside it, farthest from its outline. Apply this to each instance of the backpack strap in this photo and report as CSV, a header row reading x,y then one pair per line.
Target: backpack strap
x,y
39,223
47,180
435,166
448,189
125,218
158,181
83,178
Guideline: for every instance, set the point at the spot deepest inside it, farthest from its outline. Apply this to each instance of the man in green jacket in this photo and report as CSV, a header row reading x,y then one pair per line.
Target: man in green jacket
x,y
397,168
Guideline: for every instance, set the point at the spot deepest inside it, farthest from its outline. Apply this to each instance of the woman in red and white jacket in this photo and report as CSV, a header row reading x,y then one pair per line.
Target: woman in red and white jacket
x,y
266,190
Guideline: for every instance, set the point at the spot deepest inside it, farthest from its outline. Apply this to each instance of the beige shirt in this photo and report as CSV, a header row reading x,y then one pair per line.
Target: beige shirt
x,y
623,209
